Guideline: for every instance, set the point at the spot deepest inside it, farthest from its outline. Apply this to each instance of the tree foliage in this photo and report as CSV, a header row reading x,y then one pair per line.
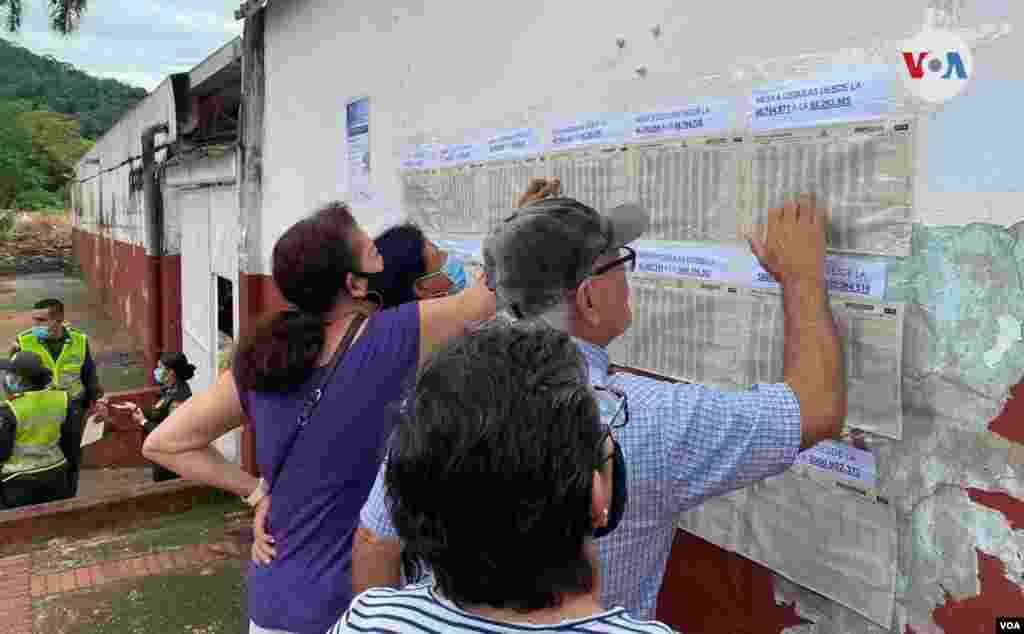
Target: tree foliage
x,y
49,84
20,171
56,142
64,14
50,112
38,151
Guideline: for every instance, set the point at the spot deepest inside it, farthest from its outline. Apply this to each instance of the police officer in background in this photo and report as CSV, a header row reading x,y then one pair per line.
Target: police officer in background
x,y
34,421
64,351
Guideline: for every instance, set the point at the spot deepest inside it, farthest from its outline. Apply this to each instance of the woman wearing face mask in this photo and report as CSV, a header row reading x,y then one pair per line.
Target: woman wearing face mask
x,y
172,375
317,381
506,418
414,268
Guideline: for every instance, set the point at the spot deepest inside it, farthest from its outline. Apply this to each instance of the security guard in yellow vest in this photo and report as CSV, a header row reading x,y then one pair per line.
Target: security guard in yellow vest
x,y
65,352
33,421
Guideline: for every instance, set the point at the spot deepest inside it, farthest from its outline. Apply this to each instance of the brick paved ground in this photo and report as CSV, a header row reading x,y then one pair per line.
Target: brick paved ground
x,y
110,571
15,602
190,563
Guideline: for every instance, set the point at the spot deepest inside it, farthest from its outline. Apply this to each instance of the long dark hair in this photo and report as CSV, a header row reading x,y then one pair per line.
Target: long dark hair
x,y
311,263
401,247
178,362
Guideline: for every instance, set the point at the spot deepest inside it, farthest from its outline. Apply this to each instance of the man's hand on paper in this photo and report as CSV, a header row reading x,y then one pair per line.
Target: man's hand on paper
x,y
794,252
539,188
794,248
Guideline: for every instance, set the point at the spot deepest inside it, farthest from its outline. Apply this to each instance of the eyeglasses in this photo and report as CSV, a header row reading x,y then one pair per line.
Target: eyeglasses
x,y
627,261
614,408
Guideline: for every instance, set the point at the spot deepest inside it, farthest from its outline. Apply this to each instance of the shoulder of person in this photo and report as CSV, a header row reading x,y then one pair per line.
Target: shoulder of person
x,y
644,386
408,310
628,623
382,325
359,602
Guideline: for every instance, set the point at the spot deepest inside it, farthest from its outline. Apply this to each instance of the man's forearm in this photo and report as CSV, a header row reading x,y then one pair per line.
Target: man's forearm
x,y
376,563
812,364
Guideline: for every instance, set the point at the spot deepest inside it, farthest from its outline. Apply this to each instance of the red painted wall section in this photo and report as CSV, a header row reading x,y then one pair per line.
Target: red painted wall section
x,y
257,296
977,615
170,307
139,291
709,590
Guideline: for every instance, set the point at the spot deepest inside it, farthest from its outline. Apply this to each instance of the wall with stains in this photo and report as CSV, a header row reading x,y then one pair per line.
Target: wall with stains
x,y
962,283
110,237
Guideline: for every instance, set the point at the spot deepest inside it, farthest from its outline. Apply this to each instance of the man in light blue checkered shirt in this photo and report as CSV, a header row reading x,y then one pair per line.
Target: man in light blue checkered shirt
x,y
559,260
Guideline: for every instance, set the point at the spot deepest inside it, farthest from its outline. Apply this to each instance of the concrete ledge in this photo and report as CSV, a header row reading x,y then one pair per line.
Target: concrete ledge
x,y
81,516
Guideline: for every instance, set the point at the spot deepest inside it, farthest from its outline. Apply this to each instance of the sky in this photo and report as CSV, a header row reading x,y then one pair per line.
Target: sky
x,y
139,42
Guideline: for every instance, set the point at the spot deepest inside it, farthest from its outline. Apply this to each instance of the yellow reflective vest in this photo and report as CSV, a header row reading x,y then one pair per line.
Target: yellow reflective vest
x,y
40,415
67,369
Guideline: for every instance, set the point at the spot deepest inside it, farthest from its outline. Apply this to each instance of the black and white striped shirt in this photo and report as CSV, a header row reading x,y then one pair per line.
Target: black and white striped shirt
x,y
419,610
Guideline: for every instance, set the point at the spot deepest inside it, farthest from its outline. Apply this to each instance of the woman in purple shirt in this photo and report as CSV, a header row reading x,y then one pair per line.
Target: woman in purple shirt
x,y
320,472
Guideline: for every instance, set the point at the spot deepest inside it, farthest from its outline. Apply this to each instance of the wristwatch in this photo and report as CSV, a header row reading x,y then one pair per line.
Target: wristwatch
x,y
257,494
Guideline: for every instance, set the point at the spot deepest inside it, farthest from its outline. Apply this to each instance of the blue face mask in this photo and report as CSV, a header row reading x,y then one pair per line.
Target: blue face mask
x,y
455,271
158,375
40,332
11,385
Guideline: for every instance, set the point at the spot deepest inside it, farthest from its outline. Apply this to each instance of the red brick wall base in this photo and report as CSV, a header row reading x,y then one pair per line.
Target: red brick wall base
x,y
141,292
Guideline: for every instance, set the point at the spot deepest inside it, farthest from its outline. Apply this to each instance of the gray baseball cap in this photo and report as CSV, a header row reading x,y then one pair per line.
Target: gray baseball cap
x,y
538,253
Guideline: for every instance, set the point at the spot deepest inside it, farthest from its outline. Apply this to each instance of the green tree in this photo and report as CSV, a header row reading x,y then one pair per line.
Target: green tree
x,y
56,142
20,170
49,84
64,14
38,151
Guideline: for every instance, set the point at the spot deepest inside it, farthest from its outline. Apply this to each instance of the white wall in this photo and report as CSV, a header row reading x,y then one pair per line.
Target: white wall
x,y
109,190
441,68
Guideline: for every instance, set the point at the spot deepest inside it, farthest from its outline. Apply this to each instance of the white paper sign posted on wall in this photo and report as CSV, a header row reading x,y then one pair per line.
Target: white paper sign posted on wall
x,y
843,462
842,275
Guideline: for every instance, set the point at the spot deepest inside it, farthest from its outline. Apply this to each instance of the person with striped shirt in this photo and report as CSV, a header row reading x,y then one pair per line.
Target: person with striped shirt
x,y
502,467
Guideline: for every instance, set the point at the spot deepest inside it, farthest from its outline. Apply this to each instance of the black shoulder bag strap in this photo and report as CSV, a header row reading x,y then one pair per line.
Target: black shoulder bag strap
x,y
314,397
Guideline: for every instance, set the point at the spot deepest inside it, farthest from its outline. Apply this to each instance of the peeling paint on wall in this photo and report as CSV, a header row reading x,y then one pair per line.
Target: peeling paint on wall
x,y
962,354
